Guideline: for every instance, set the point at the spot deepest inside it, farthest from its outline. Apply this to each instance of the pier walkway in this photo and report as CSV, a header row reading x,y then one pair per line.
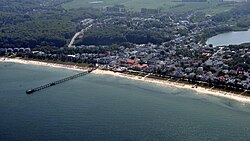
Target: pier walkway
x,y
30,91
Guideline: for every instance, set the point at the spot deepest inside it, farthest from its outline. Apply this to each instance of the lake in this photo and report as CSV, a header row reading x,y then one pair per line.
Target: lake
x,y
230,38
103,107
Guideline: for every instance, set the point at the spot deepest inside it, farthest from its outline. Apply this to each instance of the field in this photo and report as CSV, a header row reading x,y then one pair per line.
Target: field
x,y
212,6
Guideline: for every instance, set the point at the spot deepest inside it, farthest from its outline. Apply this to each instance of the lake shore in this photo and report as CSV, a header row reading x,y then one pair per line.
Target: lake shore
x,y
200,90
235,37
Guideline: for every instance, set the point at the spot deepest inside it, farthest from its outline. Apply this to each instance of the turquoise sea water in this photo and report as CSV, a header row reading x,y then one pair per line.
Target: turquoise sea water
x,y
103,107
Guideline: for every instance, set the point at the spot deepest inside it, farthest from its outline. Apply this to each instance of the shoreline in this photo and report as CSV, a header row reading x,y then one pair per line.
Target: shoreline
x,y
40,63
199,90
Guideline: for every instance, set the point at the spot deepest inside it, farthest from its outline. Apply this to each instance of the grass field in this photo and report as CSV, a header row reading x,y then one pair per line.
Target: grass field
x,y
212,6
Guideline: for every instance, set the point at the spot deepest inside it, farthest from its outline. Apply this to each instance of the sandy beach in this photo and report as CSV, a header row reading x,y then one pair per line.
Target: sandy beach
x,y
38,63
199,90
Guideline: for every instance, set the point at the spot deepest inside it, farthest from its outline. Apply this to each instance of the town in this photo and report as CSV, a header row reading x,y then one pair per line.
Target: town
x,y
170,46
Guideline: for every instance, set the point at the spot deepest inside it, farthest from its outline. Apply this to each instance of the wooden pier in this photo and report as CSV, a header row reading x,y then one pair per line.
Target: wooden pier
x,y
30,91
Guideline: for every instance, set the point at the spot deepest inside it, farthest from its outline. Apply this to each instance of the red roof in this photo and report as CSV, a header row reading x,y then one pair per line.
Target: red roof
x,y
130,61
141,66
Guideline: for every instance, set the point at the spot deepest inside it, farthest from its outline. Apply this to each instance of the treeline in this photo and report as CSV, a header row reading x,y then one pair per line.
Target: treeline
x,y
29,6
66,51
207,33
12,6
35,23
239,15
39,30
119,35
235,19
237,12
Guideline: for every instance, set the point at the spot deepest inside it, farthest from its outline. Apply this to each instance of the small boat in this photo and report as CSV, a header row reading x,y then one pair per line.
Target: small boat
x,y
30,91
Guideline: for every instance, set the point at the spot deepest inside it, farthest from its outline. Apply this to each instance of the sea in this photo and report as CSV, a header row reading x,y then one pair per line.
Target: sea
x,y
107,108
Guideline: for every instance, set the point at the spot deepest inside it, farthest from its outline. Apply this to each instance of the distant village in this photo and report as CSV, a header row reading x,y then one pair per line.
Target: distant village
x,y
181,58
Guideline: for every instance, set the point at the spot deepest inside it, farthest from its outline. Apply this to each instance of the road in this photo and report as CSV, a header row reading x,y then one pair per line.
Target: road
x,y
77,34
73,39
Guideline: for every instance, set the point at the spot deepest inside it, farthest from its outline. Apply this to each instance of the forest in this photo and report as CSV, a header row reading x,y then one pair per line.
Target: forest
x,y
119,35
237,19
37,23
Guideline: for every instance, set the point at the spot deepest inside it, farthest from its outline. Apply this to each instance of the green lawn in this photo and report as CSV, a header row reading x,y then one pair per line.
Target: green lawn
x,y
167,5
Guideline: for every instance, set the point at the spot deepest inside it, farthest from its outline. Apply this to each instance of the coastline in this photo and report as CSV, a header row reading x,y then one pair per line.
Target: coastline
x,y
40,63
199,90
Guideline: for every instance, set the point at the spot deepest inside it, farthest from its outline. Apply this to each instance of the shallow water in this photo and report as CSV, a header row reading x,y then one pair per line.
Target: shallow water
x,y
103,107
